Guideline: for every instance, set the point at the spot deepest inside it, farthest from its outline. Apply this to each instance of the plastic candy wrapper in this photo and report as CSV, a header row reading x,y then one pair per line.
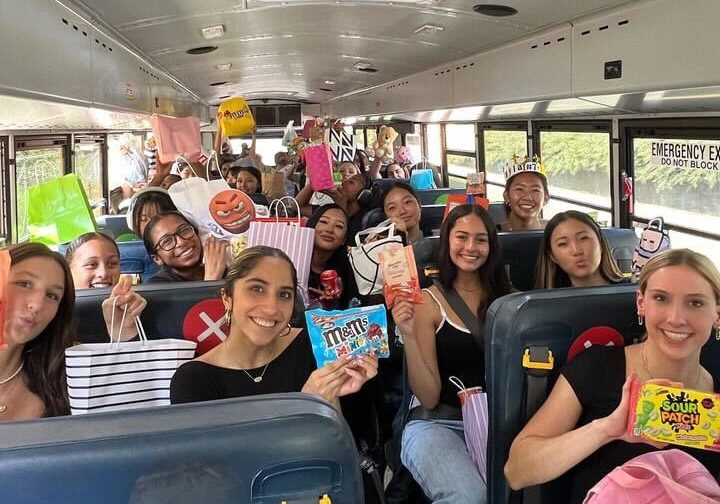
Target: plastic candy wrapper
x,y
4,275
673,415
400,274
238,244
356,331
475,184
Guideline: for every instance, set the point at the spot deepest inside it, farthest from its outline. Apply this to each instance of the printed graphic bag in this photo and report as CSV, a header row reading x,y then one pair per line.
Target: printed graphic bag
x,y
236,119
365,257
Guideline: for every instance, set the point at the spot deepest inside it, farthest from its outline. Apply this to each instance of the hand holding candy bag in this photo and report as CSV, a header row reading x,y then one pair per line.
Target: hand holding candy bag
x,y
400,274
357,331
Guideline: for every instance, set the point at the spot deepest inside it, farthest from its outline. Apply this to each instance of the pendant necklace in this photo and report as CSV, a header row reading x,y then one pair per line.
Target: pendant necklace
x,y
259,378
3,406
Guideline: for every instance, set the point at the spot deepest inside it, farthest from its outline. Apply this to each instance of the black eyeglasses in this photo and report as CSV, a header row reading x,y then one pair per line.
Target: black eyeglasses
x,y
168,242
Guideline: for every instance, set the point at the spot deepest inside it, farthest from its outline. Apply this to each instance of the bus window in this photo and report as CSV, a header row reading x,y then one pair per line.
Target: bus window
x,y
413,141
136,142
460,146
578,170
265,147
499,146
88,167
686,197
434,144
359,138
34,166
371,134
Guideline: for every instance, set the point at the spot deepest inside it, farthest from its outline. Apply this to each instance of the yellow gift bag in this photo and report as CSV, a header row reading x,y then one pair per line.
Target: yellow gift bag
x,y
235,117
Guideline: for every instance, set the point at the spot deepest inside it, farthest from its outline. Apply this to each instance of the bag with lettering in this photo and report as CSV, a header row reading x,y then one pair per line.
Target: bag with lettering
x,y
235,117
400,275
356,331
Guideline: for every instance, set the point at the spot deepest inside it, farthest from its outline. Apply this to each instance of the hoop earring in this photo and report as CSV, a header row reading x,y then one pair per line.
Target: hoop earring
x,y
287,333
641,319
228,317
716,333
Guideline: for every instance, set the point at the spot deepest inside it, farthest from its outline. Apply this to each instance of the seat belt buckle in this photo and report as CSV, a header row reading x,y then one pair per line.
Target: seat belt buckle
x,y
538,358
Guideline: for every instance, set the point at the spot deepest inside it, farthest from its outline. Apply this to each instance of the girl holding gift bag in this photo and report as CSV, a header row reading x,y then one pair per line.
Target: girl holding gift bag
x,y
583,424
440,344
174,244
263,354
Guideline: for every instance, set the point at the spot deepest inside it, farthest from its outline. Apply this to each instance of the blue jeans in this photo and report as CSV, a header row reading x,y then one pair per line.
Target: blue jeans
x,y
435,454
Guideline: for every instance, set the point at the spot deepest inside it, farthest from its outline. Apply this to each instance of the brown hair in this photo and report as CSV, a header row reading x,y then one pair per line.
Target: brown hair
x,y
682,257
83,239
44,356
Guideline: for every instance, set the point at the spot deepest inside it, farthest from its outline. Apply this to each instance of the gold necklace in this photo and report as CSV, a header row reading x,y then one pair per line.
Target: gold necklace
x,y
643,360
3,406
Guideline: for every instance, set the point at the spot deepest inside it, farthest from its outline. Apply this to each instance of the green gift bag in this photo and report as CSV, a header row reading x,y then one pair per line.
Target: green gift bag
x,y
58,211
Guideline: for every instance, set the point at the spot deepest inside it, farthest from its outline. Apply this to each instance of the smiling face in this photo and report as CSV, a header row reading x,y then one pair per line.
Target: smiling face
x,y
525,195
469,246
95,263
262,301
232,210
187,249
400,205
680,310
35,289
330,230
396,171
575,248
246,182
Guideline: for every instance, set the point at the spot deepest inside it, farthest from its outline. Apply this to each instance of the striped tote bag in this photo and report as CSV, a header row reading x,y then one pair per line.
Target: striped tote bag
x,y
123,375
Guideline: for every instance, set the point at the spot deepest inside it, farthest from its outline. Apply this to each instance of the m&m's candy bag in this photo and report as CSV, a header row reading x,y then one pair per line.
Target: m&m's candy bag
x,y
356,331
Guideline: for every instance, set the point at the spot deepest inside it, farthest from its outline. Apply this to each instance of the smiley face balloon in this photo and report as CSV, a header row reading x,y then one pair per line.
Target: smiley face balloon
x,y
232,210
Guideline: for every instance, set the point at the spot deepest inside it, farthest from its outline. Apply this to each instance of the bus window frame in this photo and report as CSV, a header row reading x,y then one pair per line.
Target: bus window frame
x,y
101,140
30,142
576,126
499,126
5,157
688,128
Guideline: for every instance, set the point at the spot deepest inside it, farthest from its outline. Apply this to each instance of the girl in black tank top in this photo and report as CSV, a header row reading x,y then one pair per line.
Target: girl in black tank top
x,y
438,345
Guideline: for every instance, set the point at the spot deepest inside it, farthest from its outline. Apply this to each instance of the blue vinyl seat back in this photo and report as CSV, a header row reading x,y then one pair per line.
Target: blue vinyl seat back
x,y
167,306
116,224
134,259
522,248
553,318
256,450
497,212
430,196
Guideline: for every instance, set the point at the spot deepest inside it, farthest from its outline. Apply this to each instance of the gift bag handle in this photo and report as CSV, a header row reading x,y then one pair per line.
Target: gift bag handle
x,y
281,201
386,225
213,154
138,325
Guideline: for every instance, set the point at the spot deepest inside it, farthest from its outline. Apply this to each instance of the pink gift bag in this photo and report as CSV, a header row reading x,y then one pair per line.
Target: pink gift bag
x,y
318,161
176,136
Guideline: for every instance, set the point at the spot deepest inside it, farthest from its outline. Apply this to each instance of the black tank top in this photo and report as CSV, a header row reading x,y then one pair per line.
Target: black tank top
x,y
457,355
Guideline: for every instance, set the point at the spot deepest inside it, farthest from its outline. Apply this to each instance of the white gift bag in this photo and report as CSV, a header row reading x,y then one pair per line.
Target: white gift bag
x,y
365,257
123,375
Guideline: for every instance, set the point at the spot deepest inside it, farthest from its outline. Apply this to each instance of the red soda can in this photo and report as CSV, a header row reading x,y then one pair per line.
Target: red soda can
x,y
330,282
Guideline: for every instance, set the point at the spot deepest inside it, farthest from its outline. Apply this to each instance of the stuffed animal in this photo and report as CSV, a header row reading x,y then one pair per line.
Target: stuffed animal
x,y
383,146
653,240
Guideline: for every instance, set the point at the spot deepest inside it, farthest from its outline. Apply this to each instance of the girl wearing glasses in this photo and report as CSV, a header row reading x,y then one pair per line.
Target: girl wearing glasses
x,y
173,243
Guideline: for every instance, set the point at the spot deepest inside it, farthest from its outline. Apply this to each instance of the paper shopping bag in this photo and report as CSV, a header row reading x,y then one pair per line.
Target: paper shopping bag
x,y
296,241
319,165
365,257
58,211
342,145
176,136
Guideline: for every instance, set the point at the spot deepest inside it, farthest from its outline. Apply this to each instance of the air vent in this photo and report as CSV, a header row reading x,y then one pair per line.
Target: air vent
x,y
494,10
367,70
220,83
327,90
202,50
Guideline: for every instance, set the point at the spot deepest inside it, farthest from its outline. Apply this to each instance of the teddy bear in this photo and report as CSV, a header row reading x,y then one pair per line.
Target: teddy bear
x,y
383,146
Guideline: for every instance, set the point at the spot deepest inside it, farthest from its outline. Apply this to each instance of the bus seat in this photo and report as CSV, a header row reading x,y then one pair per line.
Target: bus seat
x,y
216,451
425,252
497,212
522,248
622,244
134,259
372,218
168,304
116,224
431,218
550,319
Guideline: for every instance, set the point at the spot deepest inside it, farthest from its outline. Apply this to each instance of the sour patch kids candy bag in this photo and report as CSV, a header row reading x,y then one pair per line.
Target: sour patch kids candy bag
x,y
356,331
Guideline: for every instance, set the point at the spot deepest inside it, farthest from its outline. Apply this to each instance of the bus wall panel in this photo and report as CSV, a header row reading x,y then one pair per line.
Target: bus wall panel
x,y
43,56
532,69
120,79
667,43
